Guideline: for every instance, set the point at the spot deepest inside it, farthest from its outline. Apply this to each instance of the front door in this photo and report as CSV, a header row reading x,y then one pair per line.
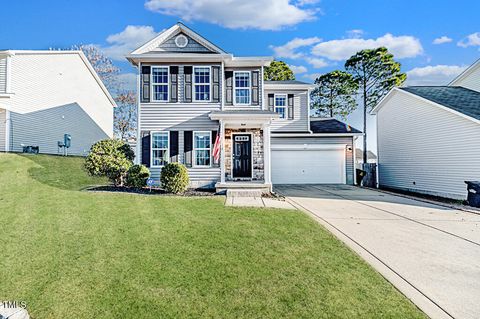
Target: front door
x,y
242,156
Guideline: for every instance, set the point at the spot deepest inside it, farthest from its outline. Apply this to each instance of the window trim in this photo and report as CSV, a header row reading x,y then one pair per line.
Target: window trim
x,y
152,149
152,91
195,84
194,149
249,88
284,107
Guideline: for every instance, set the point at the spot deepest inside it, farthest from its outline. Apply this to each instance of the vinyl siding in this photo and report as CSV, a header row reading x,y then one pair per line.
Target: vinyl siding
x,y
349,161
192,46
471,80
3,74
260,88
426,149
3,126
300,112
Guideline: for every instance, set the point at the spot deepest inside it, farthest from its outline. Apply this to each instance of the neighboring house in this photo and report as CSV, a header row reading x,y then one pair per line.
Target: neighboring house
x,y
428,137
192,91
46,94
371,157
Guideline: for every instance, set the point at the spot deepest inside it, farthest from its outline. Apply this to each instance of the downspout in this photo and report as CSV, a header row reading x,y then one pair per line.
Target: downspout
x,y
308,111
138,145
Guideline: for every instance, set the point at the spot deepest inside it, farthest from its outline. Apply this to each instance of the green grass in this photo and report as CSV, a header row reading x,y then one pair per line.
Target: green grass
x,y
77,254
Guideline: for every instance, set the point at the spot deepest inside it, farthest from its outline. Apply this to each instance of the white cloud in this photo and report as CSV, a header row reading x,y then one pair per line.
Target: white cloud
x,y
127,81
442,40
401,46
312,76
288,50
238,14
298,69
317,63
355,34
433,75
470,41
127,40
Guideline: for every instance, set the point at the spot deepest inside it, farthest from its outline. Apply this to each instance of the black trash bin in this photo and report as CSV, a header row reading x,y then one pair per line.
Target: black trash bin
x,y
360,175
473,189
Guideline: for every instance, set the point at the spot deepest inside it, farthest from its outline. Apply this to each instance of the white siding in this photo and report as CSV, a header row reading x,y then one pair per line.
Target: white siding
x,y
470,80
3,118
3,74
300,112
424,148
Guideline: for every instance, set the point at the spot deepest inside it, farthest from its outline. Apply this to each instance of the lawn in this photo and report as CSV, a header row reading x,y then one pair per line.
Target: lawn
x,y
70,253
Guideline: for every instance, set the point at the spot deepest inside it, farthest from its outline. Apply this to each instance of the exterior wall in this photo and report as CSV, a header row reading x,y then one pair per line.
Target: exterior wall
x,y
300,112
424,148
192,46
471,80
257,153
3,127
349,160
3,74
261,101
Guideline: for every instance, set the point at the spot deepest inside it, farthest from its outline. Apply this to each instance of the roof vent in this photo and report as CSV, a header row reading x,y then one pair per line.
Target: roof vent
x,y
181,41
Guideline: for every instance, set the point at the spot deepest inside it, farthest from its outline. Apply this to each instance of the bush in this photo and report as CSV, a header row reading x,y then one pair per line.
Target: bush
x,y
111,158
137,176
174,178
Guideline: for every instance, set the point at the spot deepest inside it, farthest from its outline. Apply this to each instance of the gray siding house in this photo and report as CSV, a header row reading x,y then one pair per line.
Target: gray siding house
x,y
192,92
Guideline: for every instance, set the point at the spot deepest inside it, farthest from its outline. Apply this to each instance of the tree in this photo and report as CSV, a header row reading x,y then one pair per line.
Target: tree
x,y
125,115
278,71
334,94
376,72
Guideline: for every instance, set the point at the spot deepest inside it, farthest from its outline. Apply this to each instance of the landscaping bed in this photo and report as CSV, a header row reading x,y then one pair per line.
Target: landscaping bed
x,y
151,191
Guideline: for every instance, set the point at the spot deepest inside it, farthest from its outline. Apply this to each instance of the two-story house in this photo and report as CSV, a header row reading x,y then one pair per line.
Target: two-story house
x,y
191,92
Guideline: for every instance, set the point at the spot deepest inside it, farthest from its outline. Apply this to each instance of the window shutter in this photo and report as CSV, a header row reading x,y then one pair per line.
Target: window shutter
x,y
290,106
173,146
228,87
187,144
215,84
214,138
174,84
146,149
145,85
255,88
187,70
271,101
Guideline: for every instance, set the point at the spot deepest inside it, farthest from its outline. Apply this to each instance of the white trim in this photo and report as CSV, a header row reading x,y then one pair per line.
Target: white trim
x,y
8,75
209,67
194,152
308,147
465,73
354,154
315,134
262,91
222,152
242,88
181,36
284,107
290,87
251,153
152,93
151,148
7,130
222,86
267,156
139,136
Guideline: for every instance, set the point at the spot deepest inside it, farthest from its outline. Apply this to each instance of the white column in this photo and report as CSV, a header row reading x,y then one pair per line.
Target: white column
x,y
139,136
222,152
266,154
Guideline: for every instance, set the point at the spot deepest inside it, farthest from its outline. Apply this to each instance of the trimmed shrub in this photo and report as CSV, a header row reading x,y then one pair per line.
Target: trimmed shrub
x,y
174,178
137,176
111,158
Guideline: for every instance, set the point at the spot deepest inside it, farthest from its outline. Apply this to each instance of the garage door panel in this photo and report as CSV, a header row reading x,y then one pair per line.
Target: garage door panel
x,y
308,166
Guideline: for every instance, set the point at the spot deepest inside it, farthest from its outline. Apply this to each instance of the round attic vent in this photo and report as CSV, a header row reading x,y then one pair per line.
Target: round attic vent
x,y
181,41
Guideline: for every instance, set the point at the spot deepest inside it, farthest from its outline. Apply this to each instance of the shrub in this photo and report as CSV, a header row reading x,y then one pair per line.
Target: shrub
x,y
111,158
174,178
137,176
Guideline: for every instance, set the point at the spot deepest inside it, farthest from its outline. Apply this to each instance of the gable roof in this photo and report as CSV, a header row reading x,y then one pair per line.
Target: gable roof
x,y
359,154
286,82
457,98
465,73
330,125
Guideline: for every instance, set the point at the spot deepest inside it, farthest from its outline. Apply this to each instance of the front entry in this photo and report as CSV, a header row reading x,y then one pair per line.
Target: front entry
x,y
242,156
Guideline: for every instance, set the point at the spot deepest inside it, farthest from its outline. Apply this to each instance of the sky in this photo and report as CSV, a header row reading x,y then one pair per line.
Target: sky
x,y
433,40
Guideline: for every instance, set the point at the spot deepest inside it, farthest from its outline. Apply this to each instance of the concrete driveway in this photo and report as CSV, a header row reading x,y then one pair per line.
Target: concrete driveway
x,y
431,253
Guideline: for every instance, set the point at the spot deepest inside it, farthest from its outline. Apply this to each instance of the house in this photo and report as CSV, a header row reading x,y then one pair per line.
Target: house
x,y
191,92
371,157
428,137
46,94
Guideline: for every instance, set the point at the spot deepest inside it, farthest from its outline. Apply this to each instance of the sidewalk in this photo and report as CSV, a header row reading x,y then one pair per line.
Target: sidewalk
x,y
258,202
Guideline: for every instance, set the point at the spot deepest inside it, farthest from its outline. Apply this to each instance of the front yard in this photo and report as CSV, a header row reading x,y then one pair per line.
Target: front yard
x,y
75,254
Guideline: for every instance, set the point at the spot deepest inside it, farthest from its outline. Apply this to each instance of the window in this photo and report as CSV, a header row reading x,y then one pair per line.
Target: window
x,y
201,148
201,83
242,88
160,84
281,105
160,143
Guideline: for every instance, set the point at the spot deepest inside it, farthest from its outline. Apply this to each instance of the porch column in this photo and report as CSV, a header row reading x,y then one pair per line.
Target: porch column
x,y
222,152
266,154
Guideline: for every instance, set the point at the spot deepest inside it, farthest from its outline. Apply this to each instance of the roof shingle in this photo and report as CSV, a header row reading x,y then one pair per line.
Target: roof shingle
x,y
330,125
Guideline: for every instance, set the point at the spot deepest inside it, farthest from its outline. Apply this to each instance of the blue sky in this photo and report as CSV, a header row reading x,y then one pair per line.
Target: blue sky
x,y
434,40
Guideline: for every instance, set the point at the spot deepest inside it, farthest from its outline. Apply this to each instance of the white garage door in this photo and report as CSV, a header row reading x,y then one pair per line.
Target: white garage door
x,y
309,165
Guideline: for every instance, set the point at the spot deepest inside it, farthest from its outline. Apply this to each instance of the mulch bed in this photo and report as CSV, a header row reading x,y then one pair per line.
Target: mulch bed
x,y
151,191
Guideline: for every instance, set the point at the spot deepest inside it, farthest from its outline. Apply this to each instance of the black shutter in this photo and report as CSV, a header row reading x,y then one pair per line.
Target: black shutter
x,y
214,138
271,101
188,147
255,88
146,149
290,106
145,85
187,70
228,87
174,84
215,84
173,146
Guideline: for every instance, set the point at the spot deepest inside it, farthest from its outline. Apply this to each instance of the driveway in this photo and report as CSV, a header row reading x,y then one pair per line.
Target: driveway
x,y
429,252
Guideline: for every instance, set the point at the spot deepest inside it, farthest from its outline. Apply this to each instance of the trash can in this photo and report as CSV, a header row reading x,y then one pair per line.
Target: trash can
x,y
360,175
473,189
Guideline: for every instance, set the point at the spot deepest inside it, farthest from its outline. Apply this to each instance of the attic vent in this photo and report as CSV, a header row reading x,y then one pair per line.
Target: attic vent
x,y
181,41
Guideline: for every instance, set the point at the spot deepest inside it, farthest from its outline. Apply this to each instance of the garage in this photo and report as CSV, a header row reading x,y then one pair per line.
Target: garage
x,y
308,164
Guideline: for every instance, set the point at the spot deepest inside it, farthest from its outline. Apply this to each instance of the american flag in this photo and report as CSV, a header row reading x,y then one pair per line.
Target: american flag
x,y
216,149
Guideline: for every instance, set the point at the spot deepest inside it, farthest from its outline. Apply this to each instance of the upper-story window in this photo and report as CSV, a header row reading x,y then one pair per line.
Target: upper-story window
x,y
242,88
160,146
201,83
160,84
281,105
